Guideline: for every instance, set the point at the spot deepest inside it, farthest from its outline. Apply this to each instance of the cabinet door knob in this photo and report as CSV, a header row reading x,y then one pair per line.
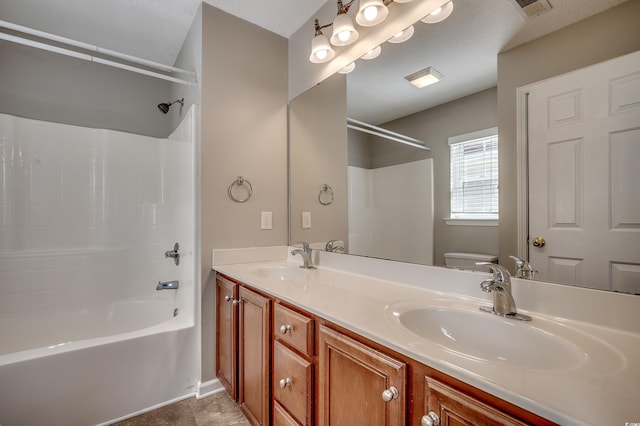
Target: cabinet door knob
x,y
430,419
232,300
285,382
285,328
389,394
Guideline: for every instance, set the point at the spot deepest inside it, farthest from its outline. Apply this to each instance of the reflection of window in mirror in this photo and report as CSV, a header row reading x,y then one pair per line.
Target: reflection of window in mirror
x,y
474,178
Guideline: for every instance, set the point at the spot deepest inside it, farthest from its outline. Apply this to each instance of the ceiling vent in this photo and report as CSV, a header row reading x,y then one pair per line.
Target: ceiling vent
x,y
532,8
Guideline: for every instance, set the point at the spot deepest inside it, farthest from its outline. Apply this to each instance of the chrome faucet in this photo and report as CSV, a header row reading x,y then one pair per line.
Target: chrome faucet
x,y
174,254
332,246
168,285
307,261
500,287
524,269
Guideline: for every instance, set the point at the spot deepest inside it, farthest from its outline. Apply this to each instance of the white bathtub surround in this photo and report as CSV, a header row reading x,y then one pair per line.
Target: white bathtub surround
x,y
378,198
596,384
86,217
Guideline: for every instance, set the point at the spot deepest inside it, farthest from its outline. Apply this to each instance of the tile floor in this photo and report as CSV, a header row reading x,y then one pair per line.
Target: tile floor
x,y
217,409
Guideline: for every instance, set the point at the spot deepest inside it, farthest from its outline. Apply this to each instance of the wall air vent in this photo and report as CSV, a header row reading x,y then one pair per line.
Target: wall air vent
x,y
532,8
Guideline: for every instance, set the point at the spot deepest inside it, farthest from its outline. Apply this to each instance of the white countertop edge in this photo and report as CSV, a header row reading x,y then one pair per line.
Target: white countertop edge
x,y
558,301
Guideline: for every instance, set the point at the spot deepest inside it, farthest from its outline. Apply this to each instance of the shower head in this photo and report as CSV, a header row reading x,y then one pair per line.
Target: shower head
x,y
164,107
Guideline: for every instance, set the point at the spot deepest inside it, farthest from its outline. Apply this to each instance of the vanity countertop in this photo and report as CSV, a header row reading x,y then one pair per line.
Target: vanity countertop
x,y
598,384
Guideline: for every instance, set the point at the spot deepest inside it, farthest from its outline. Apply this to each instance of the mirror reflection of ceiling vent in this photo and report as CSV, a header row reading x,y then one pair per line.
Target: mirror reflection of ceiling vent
x,y
532,8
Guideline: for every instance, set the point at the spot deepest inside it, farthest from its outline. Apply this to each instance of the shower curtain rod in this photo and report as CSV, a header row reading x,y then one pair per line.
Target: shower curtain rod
x,y
361,126
91,58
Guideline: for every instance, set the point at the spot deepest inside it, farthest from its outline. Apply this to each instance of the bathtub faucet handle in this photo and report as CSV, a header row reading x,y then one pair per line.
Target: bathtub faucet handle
x,y
174,254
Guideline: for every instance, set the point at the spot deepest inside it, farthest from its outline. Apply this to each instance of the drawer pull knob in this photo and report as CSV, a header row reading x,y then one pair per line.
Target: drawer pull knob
x,y
285,382
285,328
230,299
430,419
389,394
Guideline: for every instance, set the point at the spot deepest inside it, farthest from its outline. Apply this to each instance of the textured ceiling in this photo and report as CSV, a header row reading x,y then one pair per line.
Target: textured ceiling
x,y
464,47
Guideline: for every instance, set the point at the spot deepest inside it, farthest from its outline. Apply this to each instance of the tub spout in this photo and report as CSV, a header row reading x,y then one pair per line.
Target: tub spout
x,y
167,285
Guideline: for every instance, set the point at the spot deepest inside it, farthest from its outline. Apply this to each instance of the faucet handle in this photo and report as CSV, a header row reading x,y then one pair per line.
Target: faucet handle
x,y
524,268
500,273
305,246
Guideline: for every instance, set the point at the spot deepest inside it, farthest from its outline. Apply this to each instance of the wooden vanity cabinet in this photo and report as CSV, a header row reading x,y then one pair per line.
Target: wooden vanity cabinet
x,y
333,376
243,339
357,384
454,408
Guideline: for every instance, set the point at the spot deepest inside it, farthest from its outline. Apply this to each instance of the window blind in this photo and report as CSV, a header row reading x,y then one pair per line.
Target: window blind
x,y
474,178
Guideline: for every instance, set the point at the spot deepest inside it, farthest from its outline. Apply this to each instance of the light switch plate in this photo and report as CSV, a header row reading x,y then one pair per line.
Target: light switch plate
x,y
266,220
306,220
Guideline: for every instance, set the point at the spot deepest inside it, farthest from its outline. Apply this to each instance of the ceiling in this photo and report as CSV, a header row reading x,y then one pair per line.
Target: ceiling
x,y
463,48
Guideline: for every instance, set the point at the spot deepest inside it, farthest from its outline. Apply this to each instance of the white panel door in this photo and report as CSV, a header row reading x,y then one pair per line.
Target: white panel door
x,y
584,176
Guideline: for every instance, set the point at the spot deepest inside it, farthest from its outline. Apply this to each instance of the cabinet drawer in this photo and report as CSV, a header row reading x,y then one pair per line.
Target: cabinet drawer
x,y
292,382
281,417
293,328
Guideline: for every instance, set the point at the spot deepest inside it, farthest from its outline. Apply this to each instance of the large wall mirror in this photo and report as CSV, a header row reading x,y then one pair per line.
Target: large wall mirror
x,y
389,199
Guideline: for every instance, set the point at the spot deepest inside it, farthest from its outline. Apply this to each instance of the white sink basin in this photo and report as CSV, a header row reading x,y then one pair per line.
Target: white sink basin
x,y
482,337
284,273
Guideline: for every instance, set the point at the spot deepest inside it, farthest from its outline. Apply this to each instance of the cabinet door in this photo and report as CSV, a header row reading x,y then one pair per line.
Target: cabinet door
x,y
352,379
254,352
226,334
457,409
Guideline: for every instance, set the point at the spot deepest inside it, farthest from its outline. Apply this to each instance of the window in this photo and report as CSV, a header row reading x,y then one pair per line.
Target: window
x,y
474,176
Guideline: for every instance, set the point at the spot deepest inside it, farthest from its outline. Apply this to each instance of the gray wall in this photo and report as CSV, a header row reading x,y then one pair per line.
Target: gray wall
x,y
360,149
46,86
189,58
243,132
318,155
607,35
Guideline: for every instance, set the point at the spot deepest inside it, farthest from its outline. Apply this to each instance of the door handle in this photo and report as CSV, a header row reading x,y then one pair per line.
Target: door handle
x,y
538,242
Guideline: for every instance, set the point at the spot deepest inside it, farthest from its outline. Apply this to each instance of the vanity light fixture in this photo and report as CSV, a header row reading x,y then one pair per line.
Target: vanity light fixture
x,y
321,50
344,33
348,68
424,77
439,15
403,35
372,54
371,12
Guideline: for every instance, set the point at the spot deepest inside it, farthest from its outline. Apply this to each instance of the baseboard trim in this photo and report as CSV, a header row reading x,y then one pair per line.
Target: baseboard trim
x,y
208,388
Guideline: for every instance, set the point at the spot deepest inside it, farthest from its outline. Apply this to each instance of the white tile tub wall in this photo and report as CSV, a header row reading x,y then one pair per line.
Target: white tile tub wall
x,y
90,212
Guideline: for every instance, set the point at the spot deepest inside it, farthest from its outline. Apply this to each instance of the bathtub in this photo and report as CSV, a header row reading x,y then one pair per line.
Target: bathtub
x,y
139,356
86,217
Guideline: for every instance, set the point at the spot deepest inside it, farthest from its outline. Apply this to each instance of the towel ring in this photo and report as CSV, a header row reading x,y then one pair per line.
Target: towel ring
x,y
240,182
328,190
